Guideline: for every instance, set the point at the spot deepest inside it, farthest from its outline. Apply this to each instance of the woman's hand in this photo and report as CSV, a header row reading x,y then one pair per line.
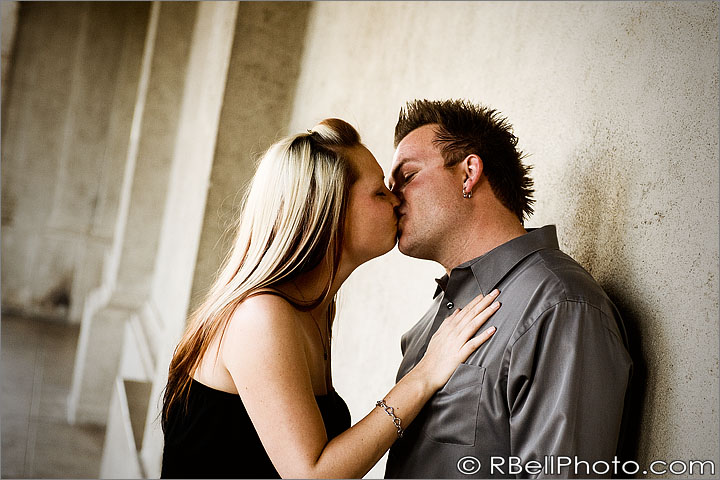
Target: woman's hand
x,y
454,341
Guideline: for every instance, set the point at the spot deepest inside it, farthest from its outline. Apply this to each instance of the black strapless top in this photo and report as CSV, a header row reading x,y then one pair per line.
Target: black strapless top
x,y
216,439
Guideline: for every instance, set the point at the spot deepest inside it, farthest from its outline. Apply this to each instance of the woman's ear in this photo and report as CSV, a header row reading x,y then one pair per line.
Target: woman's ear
x,y
472,167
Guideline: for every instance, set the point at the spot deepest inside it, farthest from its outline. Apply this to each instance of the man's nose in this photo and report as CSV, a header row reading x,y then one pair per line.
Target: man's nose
x,y
394,200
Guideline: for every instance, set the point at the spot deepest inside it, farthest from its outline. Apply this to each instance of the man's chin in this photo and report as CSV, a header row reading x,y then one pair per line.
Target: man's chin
x,y
403,245
410,249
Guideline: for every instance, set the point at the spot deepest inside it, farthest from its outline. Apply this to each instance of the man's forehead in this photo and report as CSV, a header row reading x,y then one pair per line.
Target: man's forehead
x,y
414,147
421,137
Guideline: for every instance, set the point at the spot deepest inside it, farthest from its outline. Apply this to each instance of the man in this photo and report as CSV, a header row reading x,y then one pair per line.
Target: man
x,y
549,387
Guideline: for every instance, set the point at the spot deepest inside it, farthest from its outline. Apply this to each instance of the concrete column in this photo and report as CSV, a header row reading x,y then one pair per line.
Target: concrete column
x,y
262,76
65,125
38,263
9,12
33,108
185,206
128,274
114,167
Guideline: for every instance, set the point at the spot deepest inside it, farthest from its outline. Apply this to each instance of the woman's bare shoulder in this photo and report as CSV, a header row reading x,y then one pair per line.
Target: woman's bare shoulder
x,y
263,314
264,305
263,331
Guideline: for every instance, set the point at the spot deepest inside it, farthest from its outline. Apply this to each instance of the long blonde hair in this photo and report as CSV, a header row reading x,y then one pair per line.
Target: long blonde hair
x,y
292,220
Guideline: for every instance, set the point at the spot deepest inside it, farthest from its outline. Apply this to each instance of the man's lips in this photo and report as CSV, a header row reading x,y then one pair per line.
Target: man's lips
x,y
400,218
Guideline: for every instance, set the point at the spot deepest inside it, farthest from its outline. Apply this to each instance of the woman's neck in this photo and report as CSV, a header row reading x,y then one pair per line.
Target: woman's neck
x,y
311,285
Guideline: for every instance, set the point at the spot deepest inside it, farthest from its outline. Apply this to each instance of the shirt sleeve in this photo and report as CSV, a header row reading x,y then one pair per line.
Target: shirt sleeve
x,y
567,377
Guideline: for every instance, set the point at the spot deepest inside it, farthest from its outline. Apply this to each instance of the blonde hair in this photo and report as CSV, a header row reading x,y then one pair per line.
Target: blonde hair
x,y
292,220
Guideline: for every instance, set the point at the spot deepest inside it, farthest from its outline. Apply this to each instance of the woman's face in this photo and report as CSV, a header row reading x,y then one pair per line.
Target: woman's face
x,y
370,224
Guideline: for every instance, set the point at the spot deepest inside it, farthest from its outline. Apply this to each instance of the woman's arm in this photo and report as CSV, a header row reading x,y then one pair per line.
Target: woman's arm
x,y
264,353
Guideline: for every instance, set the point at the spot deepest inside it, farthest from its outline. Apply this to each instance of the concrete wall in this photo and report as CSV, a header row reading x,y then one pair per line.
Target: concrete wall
x,y
9,15
66,122
182,220
617,105
108,143
128,268
262,68
261,82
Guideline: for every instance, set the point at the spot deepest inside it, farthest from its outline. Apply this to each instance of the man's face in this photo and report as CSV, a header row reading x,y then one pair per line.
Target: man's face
x,y
428,193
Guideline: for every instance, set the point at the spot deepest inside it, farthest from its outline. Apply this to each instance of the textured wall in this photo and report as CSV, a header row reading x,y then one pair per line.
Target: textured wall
x,y
261,82
129,268
182,219
9,12
616,103
64,119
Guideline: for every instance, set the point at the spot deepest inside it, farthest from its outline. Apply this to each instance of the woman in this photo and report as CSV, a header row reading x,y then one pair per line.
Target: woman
x,y
249,390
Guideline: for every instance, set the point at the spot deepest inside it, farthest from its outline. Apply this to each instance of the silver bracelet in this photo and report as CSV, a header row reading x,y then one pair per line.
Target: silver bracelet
x,y
390,411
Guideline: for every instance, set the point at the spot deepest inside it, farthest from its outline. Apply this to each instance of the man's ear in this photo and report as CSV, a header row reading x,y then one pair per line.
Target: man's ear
x,y
472,168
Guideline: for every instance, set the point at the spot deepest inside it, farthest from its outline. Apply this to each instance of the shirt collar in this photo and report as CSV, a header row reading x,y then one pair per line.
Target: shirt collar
x,y
489,269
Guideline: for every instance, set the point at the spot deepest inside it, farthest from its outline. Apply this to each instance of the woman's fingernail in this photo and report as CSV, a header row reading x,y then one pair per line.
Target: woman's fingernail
x,y
495,305
491,330
494,293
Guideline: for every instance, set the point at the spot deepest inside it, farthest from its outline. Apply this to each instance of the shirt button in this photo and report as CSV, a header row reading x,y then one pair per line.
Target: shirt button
x,y
450,305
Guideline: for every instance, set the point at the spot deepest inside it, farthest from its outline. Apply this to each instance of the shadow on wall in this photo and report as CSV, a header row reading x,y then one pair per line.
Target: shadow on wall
x,y
58,298
629,444
596,183
53,305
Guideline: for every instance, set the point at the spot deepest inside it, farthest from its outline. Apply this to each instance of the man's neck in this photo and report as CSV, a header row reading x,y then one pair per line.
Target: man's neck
x,y
483,236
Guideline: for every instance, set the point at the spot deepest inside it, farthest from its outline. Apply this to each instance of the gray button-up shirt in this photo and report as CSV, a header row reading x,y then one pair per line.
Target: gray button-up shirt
x,y
549,384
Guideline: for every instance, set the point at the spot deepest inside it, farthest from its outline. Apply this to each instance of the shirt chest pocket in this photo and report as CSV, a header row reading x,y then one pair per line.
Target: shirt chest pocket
x,y
451,414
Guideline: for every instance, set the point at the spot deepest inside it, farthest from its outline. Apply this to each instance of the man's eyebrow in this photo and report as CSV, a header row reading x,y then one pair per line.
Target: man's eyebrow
x,y
400,164
395,169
